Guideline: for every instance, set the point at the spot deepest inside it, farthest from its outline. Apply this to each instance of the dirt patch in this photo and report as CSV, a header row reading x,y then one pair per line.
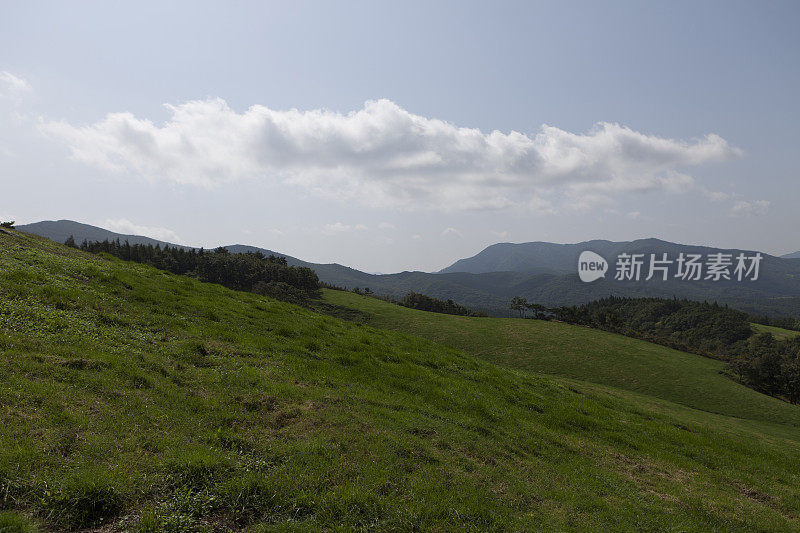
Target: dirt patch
x,y
752,494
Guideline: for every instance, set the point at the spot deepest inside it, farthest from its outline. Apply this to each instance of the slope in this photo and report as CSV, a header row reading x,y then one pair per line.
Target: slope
x,y
132,398
583,353
778,333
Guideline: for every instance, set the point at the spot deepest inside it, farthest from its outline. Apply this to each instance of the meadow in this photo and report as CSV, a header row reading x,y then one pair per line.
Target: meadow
x,y
778,333
136,400
585,354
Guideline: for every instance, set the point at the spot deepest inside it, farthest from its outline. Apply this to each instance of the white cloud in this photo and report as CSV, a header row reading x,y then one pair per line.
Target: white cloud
x,y
637,215
12,86
123,225
382,155
715,196
499,234
540,206
756,207
333,229
386,225
585,202
448,232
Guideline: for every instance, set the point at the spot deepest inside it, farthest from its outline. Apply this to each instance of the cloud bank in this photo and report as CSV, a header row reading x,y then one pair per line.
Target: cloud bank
x,y
338,227
382,155
756,207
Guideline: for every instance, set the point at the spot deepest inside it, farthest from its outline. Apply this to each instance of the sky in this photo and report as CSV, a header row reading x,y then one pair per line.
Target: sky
x,y
404,135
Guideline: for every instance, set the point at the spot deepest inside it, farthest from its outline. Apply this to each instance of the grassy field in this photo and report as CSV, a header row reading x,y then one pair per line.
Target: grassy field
x,y
585,354
131,399
778,333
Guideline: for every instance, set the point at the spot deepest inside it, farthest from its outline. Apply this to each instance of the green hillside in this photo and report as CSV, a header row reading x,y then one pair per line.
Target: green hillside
x,y
583,353
778,333
132,399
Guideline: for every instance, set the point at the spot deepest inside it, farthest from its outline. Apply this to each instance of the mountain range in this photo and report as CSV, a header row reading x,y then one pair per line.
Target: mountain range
x,y
538,271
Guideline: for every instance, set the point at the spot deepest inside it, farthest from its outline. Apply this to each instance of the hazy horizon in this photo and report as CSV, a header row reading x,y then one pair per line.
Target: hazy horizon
x,y
434,270
389,138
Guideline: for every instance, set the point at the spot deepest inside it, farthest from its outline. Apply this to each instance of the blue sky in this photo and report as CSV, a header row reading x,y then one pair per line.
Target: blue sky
x,y
676,120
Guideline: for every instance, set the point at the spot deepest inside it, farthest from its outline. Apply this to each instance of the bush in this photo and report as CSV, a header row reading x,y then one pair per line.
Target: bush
x,y
281,291
415,300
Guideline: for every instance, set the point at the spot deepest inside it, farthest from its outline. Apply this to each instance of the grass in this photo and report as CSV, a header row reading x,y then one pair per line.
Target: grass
x,y
585,354
778,333
11,522
132,399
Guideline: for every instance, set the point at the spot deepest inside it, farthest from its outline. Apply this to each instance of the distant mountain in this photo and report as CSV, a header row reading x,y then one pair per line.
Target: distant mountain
x,y
795,255
524,257
541,272
60,230
552,279
563,258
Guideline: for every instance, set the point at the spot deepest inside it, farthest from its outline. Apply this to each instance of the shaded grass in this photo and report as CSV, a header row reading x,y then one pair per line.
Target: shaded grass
x,y
11,522
141,400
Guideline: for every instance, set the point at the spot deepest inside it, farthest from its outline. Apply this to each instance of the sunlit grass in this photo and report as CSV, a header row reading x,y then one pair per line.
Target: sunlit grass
x,y
586,354
152,402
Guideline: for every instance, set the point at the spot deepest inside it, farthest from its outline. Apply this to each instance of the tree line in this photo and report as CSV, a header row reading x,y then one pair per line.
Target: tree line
x,y
415,300
770,365
252,271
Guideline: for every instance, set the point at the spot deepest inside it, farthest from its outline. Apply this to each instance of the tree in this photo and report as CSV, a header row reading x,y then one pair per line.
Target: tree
x,y
791,378
70,242
539,311
9,224
518,304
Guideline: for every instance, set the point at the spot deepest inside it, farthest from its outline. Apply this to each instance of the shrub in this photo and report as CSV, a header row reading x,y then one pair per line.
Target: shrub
x,y
281,291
